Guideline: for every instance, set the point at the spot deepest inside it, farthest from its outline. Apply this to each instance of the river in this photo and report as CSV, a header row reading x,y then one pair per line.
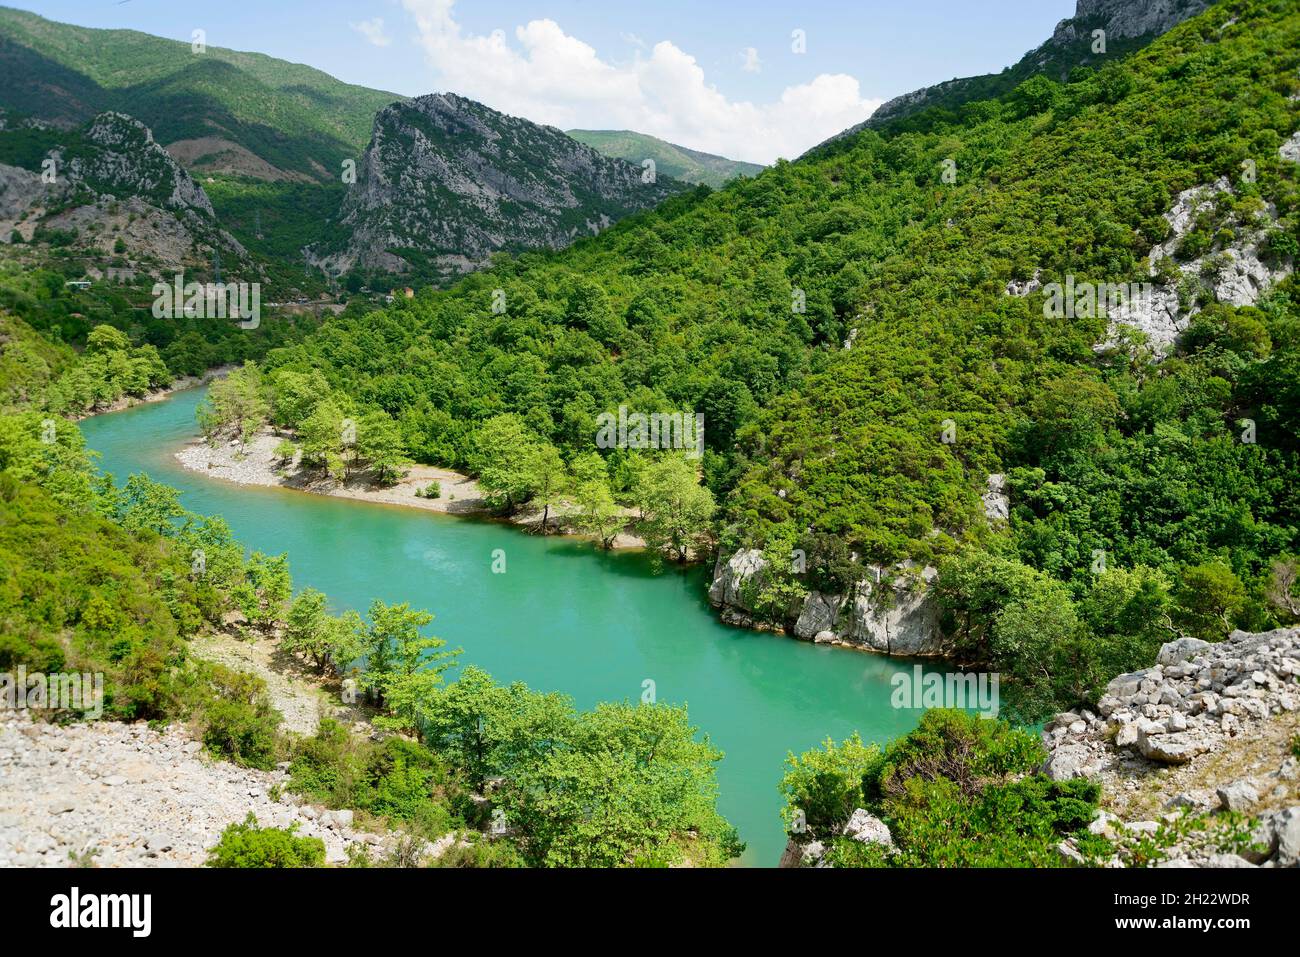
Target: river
x,y
563,617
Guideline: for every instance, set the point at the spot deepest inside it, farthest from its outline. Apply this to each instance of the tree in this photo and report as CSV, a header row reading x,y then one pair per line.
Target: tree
x,y
306,629
1282,593
503,458
268,589
146,504
403,667
598,514
546,478
106,339
379,444
677,509
236,404
284,452
323,439
1207,598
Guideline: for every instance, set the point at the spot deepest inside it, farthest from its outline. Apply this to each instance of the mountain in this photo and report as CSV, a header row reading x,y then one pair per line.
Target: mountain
x,y
115,193
1128,24
687,165
894,389
217,110
446,182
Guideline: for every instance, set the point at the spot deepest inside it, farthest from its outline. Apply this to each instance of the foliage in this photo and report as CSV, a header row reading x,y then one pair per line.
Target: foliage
x,y
247,845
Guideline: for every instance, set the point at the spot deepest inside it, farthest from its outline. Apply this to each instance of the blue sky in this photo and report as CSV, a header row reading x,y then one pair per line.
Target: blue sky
x,y
681,69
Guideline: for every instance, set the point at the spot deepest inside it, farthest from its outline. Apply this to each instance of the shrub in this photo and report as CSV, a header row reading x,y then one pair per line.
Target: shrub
x,y
247,845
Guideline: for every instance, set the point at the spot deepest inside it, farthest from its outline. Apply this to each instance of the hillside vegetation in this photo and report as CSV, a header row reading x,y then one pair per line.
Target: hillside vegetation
x,y
690,166
743,305
297,119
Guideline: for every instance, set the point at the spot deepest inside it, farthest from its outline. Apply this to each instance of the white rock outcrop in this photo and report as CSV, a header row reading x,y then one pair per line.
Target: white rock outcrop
x,y
892,612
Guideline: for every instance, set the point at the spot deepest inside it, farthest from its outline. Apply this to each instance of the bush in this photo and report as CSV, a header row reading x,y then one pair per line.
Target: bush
x,y
247,845
959,791
235,716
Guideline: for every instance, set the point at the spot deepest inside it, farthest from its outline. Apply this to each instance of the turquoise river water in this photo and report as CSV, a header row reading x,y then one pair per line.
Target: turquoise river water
x,y
564,617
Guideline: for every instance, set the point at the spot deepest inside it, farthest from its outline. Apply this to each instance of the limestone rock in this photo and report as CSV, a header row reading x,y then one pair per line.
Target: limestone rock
x,y
868,829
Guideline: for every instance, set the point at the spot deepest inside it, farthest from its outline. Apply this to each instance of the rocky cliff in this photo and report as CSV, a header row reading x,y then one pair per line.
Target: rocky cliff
x,y
890,612
108,182
446,182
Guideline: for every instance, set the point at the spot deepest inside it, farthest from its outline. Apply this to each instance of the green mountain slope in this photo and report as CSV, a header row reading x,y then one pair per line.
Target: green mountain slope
x,y
1099,32
689,166
739,304
242,111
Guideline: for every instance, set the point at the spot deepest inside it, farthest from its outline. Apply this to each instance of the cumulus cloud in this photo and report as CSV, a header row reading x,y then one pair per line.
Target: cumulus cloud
x,y
373,30
549,76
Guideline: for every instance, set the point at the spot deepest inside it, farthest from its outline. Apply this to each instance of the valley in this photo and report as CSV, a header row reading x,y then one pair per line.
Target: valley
x,y
927,500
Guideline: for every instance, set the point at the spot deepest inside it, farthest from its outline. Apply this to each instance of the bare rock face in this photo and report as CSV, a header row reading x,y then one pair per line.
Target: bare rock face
x,y
129,161
1127,19
891,612
137,193
1235,272
449,180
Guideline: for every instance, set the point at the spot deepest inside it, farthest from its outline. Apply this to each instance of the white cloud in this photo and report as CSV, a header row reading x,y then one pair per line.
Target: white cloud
x,y
548,76
373,30
752,63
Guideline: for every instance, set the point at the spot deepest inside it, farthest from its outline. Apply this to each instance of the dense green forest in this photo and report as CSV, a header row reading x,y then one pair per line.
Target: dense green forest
x,y
71,350
843,325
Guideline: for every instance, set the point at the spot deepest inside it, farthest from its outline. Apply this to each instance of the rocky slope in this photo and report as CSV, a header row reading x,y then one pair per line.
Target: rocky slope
x,y
125,795
112,181
1129,24
446,182
1195,756
1208,728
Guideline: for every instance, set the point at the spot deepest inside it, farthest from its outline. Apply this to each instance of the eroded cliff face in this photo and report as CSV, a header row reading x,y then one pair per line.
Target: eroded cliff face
x,y
112,181
891,612
450,181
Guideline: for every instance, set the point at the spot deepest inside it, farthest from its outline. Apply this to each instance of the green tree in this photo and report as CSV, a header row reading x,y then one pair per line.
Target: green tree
x,y
677,509
503,458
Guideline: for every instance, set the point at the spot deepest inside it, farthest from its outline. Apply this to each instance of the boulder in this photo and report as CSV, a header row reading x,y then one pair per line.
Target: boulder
x,y
1178,748
868,829
1070,760
818,615
1286,834
1237,796
1184,649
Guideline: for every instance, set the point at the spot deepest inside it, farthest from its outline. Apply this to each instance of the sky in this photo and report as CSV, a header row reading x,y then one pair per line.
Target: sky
x,y
730,77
